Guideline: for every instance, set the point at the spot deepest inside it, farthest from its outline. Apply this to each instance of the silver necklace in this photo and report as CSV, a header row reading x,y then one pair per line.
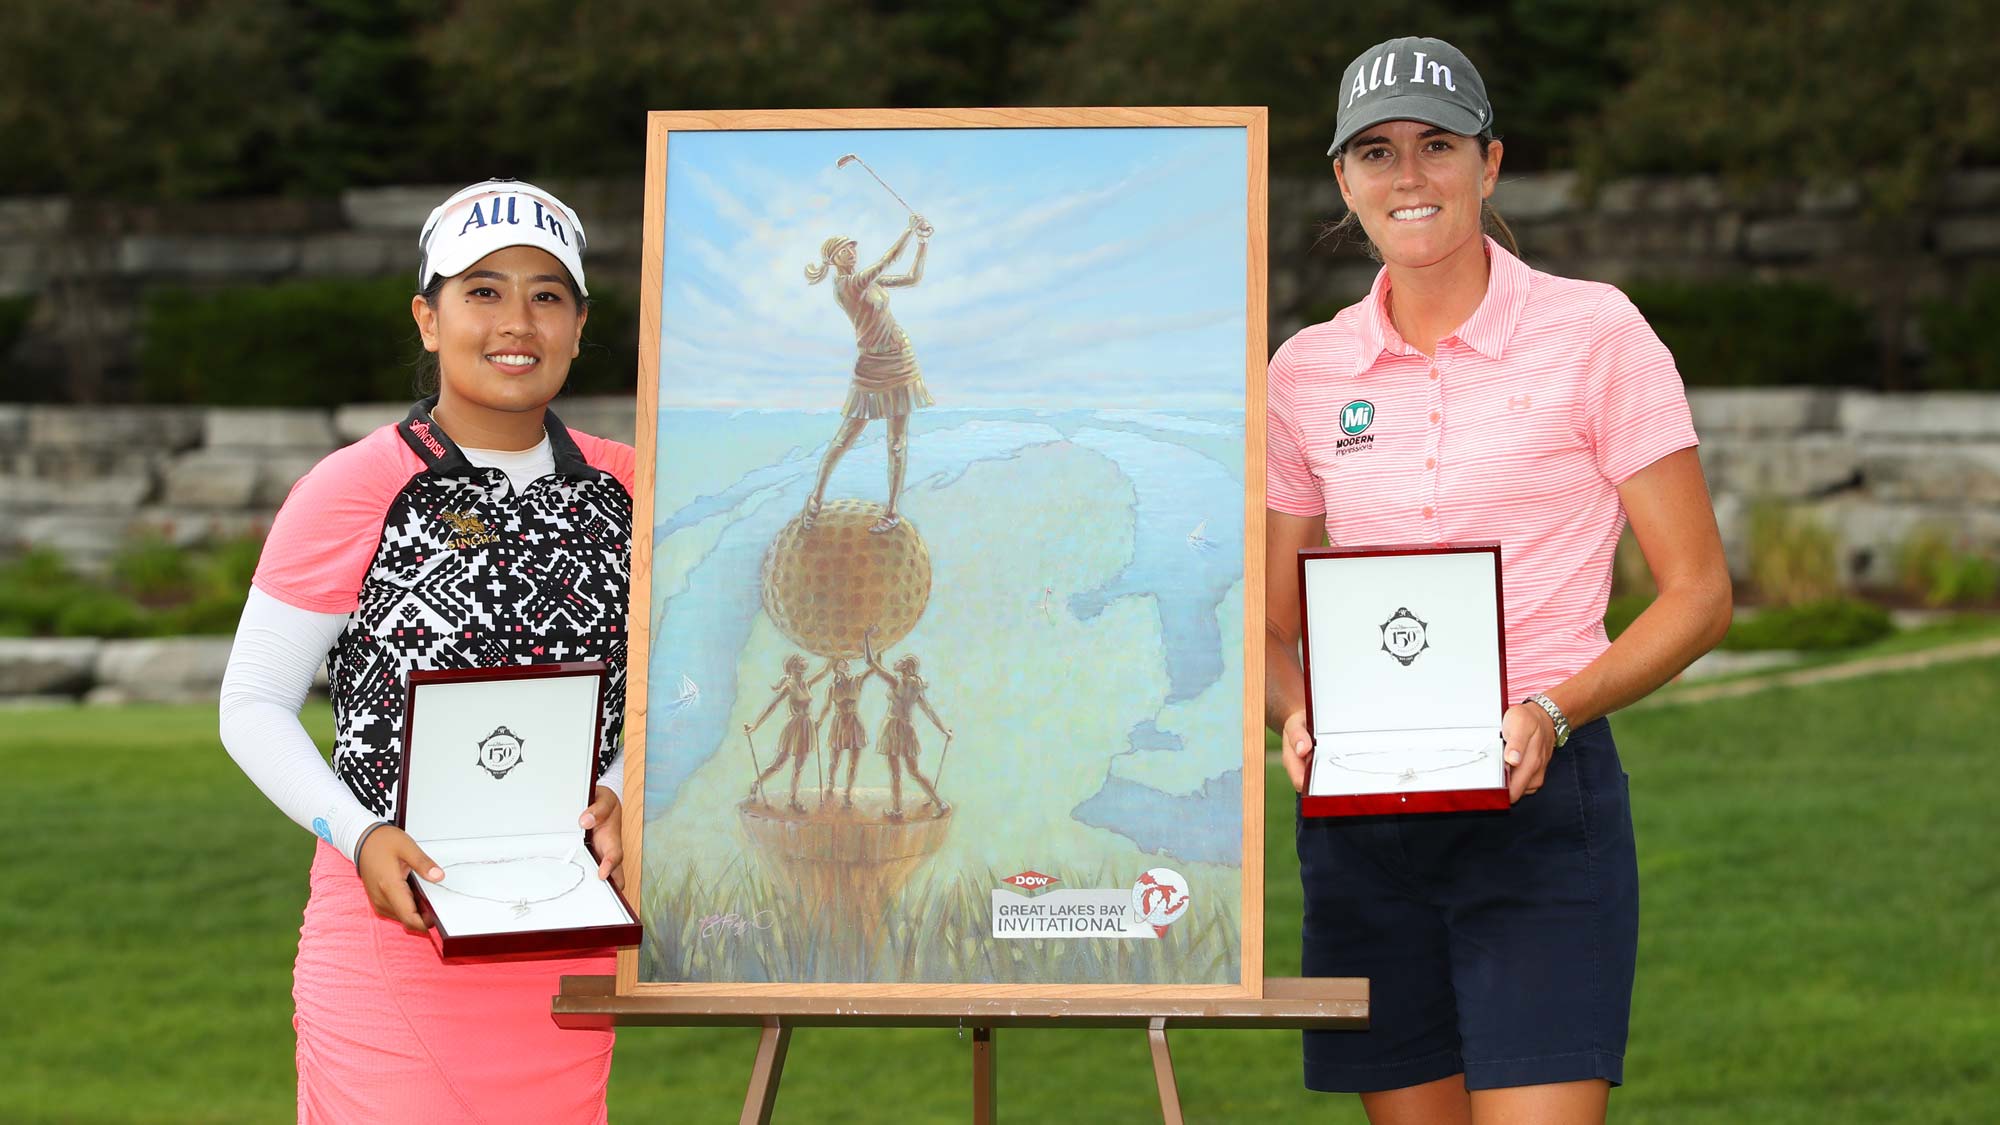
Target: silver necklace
x,y
1407,775
522,905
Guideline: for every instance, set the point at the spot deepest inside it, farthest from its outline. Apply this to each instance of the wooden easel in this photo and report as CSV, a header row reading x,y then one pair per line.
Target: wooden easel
x,y
1321,1002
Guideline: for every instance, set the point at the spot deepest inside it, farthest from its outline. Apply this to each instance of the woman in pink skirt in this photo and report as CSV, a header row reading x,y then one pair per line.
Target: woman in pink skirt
x,y
477,532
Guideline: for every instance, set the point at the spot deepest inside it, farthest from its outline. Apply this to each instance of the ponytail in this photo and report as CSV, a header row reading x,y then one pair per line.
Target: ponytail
x,y
817,271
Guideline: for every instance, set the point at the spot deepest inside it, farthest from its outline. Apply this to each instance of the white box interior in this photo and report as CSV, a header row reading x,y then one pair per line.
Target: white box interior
x,y
1383,726
513,854
489,880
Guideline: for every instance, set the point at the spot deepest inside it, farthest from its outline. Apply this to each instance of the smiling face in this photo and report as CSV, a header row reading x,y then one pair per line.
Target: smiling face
x,y
504,332
1417,190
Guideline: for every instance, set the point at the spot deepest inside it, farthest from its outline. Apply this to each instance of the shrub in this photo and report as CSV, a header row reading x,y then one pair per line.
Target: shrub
x,y
1932,568
1622,611
208,614
34,589
1959,335
296,343
153,569
1833,623
1630,573
101,613
329,342
226,568
1744,334
195,591
1793,558
14,313
609,362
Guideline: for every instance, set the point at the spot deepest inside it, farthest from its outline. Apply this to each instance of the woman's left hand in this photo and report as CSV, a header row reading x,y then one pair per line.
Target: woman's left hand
x,y
601,821
1530,738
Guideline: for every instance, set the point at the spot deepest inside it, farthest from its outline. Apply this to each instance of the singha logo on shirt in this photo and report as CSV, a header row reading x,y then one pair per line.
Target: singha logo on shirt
x,y
471,530
500,752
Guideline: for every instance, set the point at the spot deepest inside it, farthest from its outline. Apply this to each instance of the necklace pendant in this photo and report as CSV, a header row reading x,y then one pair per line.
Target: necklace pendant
x,y
1407,775
521,909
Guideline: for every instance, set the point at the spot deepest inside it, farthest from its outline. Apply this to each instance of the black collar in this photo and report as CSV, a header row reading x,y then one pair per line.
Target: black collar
x,y
442,456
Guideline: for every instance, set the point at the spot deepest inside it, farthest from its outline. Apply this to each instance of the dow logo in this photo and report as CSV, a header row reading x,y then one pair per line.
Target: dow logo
x,y
1357,416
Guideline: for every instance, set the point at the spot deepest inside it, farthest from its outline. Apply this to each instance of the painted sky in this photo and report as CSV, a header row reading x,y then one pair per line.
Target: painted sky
x,y
1071,267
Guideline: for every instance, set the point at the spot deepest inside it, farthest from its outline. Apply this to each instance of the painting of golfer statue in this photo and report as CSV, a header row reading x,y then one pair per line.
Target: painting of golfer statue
x,y
945,614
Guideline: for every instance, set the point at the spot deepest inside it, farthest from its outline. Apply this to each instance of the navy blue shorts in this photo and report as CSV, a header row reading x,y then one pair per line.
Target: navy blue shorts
x,y
1497,944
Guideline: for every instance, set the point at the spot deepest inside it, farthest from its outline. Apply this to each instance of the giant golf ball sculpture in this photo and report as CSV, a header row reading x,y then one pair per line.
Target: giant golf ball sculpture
x,y
824,589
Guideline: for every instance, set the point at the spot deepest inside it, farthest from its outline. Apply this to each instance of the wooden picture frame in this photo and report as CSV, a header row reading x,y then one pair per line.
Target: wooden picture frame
x,y
1076,384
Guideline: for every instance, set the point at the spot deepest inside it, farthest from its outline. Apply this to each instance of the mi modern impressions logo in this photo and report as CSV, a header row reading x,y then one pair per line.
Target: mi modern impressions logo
x,y
1355,418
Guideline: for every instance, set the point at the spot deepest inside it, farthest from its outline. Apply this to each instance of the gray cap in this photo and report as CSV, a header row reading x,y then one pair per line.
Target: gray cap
x,y
1412,79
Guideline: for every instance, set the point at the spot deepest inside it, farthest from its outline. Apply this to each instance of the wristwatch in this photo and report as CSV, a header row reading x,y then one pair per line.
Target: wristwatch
x,y
1555,713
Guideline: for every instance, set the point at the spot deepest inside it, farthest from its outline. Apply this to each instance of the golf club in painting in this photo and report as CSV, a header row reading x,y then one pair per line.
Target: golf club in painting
x,y
850,158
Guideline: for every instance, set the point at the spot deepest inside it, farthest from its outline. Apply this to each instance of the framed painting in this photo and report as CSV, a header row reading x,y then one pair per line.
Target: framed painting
x,y
947,593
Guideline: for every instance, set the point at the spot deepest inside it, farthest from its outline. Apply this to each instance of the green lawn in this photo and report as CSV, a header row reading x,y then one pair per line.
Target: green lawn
x,y
1821,938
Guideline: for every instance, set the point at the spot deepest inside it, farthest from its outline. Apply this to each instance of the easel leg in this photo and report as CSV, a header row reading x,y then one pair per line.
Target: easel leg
x,y
762,1097
982,1076
1163,1072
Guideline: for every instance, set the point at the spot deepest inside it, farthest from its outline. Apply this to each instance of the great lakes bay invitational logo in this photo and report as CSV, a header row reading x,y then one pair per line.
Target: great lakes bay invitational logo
x,y
500,752
1404,636
1355,418
1143,910
1159,898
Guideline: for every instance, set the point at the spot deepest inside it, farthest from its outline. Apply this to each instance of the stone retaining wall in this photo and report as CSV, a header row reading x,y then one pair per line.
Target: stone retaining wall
x,y
1873,468
89,262
154,670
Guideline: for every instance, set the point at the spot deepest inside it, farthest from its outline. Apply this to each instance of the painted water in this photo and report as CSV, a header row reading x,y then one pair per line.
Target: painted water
x,y
1083,639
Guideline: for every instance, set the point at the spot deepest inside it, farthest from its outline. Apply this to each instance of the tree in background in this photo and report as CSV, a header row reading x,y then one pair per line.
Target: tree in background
x,y
1890,97
1543,61
562,90
153,99
364,86
144,99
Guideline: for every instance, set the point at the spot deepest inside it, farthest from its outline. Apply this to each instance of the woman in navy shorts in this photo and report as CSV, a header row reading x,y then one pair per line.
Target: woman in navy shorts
x,y
1501,404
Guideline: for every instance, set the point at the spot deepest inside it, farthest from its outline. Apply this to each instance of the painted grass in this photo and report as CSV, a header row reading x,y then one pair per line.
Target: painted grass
x,y
1821,939
919,935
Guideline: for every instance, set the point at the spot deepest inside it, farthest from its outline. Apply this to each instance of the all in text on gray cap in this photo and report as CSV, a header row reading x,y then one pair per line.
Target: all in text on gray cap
x,y
1412,79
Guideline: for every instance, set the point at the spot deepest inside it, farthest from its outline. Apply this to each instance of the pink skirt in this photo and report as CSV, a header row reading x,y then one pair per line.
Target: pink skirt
x,y
388,1032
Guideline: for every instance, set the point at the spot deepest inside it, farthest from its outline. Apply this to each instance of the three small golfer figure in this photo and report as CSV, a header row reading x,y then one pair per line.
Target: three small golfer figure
x,y
897,740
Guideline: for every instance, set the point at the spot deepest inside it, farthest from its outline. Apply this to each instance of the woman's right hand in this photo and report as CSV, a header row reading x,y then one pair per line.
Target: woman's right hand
x,y
387,858
1295,747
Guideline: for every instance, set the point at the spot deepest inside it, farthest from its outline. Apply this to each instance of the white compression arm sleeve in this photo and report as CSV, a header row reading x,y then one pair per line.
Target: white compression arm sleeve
x,y
278,648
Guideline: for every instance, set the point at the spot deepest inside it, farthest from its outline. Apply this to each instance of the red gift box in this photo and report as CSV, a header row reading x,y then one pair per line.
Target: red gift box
x,y
498,765
1405,659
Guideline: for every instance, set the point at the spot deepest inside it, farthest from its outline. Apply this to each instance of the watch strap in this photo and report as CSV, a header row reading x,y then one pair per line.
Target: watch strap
x,y
1555,714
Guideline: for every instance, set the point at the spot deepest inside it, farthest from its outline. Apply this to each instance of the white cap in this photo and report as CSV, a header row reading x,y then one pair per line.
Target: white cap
x,y
494,215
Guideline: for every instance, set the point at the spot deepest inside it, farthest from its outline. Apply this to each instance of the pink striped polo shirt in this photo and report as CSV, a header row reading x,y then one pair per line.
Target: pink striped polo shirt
x,y
1520,432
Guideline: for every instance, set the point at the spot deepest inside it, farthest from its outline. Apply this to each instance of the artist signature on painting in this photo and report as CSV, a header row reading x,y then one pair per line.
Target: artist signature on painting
x,y
734,925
